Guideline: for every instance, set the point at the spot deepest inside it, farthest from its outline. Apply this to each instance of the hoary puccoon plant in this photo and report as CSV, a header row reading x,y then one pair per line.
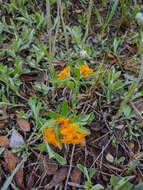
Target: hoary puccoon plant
x,y
68,126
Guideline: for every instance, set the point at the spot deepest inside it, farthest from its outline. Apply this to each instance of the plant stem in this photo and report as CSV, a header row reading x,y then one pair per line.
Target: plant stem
x,y
65,33
88,22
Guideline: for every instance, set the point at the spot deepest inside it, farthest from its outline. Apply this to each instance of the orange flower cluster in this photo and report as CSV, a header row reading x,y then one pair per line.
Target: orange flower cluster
x,y
63,73
85,70
68,131
50,137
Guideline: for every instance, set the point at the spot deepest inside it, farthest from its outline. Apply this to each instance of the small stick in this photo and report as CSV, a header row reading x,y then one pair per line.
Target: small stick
x,y
70,168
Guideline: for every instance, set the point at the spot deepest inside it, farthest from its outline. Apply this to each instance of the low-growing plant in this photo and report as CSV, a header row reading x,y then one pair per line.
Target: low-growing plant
x,y
89,174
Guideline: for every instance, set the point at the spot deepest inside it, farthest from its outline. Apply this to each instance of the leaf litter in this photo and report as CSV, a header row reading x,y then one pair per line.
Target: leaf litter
x,y
16,139
11,161
24,124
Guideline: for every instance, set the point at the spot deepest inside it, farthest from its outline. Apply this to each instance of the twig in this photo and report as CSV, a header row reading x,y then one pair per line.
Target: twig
x,y
76,185
103,149
73,148
139,115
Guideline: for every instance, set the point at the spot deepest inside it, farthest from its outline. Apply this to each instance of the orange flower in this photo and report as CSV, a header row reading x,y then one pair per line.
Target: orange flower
x,y
63,120
85,70
63,73
69,132
50,137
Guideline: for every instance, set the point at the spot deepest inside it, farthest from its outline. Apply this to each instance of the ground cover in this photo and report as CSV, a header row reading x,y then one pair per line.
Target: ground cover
x,y
71,94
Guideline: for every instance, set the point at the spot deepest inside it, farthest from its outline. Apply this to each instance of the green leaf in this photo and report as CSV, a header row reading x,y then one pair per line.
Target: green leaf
x,y
85,118
123,184
97,187
114,180
137,95
139,186
84,170
52,115
114,7
131,88
88,185
49,150
126,109
77,73
118,85
134,163
99,16
59,158
43,48
120,184
64,110
42,147
116,75
53,154
1,150
91,172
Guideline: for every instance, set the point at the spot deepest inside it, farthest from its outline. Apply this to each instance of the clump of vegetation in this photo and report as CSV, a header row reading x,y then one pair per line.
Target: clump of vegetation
x,y
71,94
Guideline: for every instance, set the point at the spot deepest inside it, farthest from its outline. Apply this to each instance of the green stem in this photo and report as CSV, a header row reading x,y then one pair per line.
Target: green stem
x,y
88,21
65,33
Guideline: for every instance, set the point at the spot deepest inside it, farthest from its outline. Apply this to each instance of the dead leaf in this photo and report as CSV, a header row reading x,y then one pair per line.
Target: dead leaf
x,y
12,161
75,177
58,178
16,139
61,62
111,56
96,126
29,77
119,132
100,9
42,77
83,143
25,126
113,168
3,113
48,166
131,49
4,141
82,96
78,11
131,145
2,124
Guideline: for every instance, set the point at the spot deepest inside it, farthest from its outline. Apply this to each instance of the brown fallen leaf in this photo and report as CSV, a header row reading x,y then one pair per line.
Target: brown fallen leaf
x,y
48,166
2,124
3,113
61,62
3,117
25,126
96,126
42,77
12,161
58,178
75,177
29,77
4,141
78,11
111,56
